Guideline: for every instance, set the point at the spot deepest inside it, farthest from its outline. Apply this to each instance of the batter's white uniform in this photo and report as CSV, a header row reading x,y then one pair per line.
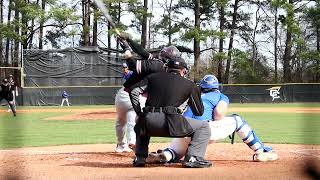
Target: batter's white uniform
x,y
126,118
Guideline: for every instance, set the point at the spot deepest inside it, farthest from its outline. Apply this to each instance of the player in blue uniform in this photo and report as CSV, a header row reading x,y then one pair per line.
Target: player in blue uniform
x,y
126,72
215,109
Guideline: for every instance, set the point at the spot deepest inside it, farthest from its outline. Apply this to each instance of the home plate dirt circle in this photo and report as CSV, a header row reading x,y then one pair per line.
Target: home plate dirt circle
x,y
99,161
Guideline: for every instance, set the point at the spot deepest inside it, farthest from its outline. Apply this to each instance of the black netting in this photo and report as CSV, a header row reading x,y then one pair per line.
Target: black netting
x,y
56,70
87,66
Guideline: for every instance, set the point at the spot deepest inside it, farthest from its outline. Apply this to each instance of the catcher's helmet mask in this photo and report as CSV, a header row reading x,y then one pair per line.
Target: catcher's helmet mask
x,y
124,65
209,82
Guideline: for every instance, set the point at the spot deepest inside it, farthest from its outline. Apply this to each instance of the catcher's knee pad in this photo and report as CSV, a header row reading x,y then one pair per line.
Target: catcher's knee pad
x,y
179,147
248,136
171,155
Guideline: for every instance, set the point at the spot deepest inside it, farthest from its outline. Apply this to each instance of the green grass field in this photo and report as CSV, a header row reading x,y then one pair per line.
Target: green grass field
x,y
31,129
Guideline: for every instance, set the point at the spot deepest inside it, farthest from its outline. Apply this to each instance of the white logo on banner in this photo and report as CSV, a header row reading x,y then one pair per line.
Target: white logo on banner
x,y
274,92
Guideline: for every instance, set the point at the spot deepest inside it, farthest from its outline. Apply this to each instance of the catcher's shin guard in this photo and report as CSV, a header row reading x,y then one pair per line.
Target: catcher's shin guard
x,y
248,136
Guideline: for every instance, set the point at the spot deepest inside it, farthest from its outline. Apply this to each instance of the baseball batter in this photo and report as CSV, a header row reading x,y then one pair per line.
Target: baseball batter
x,y
126,116
215,107
134,71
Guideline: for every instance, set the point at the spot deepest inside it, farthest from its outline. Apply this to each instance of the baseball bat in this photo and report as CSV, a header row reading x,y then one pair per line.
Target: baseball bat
x,y
106,14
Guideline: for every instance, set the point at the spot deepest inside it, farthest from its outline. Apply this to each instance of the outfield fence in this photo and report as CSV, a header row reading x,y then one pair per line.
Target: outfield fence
x,y
240,93
92,76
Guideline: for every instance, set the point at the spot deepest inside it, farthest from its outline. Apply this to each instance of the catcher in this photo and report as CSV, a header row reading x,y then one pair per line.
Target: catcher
x,y
6,93
215,105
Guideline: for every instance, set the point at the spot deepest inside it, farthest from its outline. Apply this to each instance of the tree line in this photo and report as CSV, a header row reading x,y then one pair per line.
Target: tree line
x,y
240,41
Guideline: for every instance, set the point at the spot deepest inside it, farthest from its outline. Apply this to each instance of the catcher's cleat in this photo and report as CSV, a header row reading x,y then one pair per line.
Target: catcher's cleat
x,y
156,158
122,149
195,162
139,162
265,156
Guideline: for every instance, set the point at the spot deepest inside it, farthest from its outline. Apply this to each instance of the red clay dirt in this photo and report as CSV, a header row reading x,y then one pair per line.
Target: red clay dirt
x,y
101,162
110,113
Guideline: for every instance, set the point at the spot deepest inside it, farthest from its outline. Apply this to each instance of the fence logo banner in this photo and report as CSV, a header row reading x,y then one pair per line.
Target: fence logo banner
x,y
274,92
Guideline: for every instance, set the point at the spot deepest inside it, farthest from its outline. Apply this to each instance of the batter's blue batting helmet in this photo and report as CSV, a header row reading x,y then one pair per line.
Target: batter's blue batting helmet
x,y
124,65
209,82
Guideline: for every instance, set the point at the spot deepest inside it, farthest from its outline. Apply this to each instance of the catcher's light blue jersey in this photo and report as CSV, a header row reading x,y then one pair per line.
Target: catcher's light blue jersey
x,y
210,100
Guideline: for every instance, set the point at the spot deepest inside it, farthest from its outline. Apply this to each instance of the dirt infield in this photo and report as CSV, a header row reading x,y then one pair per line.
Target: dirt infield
x,y
100,162
110,113
102,114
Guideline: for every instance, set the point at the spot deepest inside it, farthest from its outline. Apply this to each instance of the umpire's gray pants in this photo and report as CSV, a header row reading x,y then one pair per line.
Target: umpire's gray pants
x,y
156,125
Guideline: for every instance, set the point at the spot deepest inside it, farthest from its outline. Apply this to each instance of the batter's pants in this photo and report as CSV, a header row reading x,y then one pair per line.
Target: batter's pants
x,y
126,118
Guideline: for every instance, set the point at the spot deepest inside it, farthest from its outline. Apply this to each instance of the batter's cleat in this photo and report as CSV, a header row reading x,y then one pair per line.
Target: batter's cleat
x,y
195,162
122,149
14,114
265,156
156,158
139,162
132,146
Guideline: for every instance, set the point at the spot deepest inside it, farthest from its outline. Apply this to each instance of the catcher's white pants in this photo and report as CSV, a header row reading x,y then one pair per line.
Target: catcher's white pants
x,y
219,130
65,100
126,116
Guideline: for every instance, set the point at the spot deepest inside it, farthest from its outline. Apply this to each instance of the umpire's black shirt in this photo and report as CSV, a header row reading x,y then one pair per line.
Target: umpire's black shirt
x,y
168,90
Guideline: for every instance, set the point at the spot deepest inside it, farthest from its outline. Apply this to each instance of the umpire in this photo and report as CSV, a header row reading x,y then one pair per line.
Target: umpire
x,y
162,115
6,93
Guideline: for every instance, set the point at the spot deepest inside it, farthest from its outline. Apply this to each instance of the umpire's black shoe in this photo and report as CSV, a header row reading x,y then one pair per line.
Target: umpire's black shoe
x,y
195,162
139,162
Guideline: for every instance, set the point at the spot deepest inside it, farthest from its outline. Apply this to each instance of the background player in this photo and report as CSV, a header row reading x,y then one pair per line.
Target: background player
x,y
215,108
14,91
65,98
6,93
